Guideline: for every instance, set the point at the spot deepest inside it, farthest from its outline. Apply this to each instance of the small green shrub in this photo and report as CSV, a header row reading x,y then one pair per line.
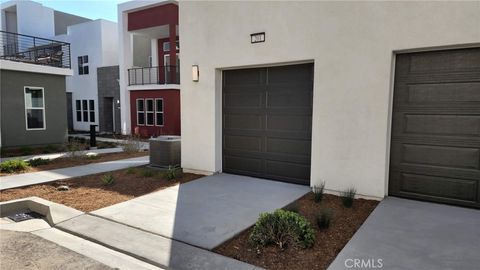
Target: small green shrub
x,y
50,149
132,144
293,207
107,180
14,165
25,150
147,173
282,228
75,148
131,170
318,192
324,218
171,172
92,157
34,162
348,196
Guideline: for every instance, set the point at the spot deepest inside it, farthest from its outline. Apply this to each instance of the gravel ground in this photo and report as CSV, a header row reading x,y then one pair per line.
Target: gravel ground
x,y
20,250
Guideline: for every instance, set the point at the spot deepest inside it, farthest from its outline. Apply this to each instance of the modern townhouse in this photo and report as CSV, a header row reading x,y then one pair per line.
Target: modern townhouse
x,y
381,96
149,68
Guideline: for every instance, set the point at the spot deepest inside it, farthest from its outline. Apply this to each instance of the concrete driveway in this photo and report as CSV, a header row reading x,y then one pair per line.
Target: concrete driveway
x,y
205,212
407,234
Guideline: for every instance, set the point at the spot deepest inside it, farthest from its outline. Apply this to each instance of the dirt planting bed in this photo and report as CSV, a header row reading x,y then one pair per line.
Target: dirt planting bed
x,y
328,242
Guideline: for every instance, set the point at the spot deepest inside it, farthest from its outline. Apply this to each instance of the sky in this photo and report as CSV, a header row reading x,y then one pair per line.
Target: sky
x,y
92,9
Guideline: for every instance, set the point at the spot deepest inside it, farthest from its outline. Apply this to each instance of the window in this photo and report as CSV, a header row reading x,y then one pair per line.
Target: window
x,y
85,110
150,111
34,108
78,109
91,106
166,46
83,65
159,112
140,112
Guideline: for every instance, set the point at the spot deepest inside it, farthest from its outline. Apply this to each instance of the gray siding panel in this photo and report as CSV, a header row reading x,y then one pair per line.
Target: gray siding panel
x,y
14,133
108,94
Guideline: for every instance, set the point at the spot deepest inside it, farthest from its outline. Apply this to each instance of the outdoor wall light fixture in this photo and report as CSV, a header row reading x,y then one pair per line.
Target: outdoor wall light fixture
x,y
195,73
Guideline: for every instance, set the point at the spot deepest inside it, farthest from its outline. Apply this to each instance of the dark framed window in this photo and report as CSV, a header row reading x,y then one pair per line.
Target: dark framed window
x,y
83,65
91,107
140,112
159,112
34,108
78,109
150,112
85,110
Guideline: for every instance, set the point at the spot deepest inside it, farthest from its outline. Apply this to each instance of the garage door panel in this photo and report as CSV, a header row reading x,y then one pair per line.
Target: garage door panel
x,y
441,93
245,143
253,77
289,99
244,100
289,123
445,156
267,126
287,171
292,74
446,61
243,121
460,189
464,125
289,146
246,165
435,147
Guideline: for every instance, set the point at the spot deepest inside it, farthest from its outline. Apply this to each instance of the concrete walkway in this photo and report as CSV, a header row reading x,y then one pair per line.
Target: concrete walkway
x,y
26,179
205,212
143,145
66,154
407,234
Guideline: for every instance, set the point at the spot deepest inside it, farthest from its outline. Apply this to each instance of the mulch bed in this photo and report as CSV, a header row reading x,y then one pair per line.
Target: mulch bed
x,y
65,162
87,193
328,243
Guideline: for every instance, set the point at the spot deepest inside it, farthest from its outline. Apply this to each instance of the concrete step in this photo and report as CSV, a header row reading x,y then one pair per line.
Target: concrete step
x,y
148,247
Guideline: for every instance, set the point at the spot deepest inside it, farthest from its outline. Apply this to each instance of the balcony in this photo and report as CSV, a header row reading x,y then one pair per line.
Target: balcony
x,y
154,75
34,50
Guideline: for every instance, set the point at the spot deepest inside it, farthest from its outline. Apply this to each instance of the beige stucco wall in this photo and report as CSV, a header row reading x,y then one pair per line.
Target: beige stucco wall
x,y
352,46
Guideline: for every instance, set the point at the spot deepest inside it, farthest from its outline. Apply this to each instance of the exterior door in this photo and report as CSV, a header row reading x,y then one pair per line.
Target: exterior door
x,y
108,114
267,122
435,149
69,111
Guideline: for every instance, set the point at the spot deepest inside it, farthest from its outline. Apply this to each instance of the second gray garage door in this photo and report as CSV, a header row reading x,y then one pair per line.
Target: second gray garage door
x,y
267,122
435,150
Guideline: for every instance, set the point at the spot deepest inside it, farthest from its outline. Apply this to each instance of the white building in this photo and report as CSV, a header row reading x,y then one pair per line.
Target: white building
x,y
388,101
93,45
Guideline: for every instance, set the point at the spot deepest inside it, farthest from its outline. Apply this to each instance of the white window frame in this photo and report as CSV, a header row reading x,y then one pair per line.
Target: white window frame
x,y
34,108
83,65
157,112
147,112
137,111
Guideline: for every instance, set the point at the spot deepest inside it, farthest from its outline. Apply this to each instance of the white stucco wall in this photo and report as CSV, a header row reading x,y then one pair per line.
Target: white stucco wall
x,y
352,46
32,18
97,39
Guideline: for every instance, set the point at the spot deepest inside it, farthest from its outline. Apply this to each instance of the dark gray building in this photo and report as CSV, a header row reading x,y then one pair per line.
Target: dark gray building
x,y
108,99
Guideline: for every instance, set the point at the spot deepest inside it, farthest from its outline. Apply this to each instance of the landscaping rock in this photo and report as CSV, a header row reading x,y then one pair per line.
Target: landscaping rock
x,y
63,188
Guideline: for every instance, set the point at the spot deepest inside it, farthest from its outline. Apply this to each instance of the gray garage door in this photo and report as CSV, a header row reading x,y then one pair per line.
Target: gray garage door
x,y
435,151
267,122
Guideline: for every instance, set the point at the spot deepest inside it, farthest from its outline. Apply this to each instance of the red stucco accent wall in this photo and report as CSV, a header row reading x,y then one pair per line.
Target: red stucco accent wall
x,y
155,16
171,103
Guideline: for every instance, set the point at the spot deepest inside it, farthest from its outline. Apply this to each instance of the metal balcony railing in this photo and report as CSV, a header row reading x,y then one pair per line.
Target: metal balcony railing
x,y
34,50
154,75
